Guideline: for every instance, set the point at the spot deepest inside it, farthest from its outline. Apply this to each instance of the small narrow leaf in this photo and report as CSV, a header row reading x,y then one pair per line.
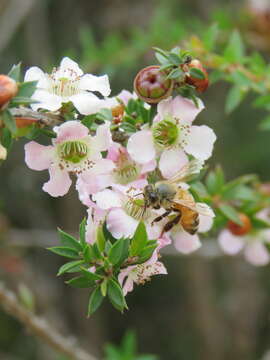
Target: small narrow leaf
x,y
9,121
197,73
230,213
68,240
139,240
101,239
90,275
235,50
64,251
27,89
82,231
69,266
116,295
234,98
95,301
115,252
15,72
80,282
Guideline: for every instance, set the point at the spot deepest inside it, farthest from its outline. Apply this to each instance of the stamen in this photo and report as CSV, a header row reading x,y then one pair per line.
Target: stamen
x,y
166,133
73,151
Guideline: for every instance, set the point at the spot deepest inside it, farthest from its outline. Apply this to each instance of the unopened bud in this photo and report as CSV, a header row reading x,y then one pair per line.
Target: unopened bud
x,y
240,230
8,89
200,84
151,85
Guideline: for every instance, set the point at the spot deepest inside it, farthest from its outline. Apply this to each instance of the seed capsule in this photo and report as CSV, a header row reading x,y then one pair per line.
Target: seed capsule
x,y
8,89
200,84
151,85
240,230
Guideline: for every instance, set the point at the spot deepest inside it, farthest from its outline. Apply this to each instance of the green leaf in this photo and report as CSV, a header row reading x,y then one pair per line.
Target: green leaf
x,y
27,89
9,121
240,192
215,181
161,58
95,301
235,50
80,282
139,240
6,138
196,73
69,266
262,101
230,213
259,223
175,74
116,295
115,252
88,253
175,59
101,239
105,115
234,98
103,287
64,251
68,240
147,252
15,72
82,230
21,100
210,37
90,275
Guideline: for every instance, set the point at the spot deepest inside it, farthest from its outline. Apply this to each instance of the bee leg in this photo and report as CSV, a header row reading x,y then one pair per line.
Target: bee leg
x,y
171,224
159,218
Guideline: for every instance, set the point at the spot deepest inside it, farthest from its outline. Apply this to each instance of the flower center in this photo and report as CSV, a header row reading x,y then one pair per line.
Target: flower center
x,y
73,151
64,87
136,209
126,170
166,133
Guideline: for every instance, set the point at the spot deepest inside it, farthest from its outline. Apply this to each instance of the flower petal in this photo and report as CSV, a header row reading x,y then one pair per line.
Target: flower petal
x,y
68,66
205,224
96,83
59,182
200,142
182,108
171,161
140,147
186,243
36,74
70,130
107,199
230,243
46,101
38,157
86,103
257,254
103,139
120,224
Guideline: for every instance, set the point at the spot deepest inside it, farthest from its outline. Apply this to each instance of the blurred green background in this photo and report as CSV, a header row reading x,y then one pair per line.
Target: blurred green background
x,y
209,307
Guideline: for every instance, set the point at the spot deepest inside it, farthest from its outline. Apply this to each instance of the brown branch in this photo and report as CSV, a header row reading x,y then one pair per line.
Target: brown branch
x,y
48,118
41,328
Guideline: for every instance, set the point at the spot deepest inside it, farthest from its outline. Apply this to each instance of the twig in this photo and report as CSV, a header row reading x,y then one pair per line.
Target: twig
x,y
48,118
40,327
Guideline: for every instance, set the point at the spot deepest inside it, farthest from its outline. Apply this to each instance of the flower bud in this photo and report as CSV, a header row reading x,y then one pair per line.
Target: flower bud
x,y
240,230
151,85
200,84
3,152
8,89
22,122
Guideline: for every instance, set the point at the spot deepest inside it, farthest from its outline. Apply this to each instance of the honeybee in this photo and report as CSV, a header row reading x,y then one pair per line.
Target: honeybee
x,y
173,198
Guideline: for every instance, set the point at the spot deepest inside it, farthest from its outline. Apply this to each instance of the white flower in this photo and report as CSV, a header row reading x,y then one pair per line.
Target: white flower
x,y
68,83
173,135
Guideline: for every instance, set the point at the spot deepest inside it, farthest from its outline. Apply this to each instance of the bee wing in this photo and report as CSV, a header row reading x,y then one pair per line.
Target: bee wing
x,y
192,168
201,208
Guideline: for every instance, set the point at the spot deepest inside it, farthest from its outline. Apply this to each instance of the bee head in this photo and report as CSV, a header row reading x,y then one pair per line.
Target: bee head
x,y
151,195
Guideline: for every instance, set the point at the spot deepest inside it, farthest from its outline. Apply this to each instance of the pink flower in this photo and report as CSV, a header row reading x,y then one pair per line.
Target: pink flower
x,y
125,206
253,245
140,273
73,151
173,136
96,218
187,243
